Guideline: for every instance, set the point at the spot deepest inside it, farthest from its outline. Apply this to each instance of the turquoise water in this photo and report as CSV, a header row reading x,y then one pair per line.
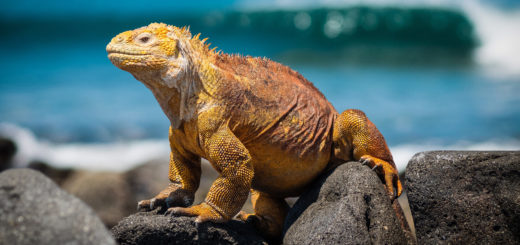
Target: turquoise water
x,y
412,70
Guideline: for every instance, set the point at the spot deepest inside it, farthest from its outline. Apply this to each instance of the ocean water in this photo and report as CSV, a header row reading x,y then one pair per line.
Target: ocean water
x,y
429,75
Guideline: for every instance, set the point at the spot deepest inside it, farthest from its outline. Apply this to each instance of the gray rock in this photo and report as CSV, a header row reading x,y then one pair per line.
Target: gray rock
x,y
346,206
148,179
34,210
58,175
152,228
108,193
460,197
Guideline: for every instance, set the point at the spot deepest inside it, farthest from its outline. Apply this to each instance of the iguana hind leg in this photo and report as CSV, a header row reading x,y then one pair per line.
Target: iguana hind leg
x,y
356,137
269,214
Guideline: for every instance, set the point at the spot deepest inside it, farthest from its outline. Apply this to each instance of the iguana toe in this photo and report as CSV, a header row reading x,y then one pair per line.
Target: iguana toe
x,y
266,226
150,204
243,216
203,212
249,218
386,172
144,205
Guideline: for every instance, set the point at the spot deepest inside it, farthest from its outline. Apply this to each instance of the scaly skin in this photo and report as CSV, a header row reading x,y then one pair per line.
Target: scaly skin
x,y
262,126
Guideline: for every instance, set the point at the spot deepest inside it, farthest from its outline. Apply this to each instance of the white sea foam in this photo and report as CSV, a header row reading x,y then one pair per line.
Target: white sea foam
x,y
116,156
120,156
499,34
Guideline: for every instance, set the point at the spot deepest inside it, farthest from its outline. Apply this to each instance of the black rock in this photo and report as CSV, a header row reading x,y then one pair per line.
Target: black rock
x,y
346,206
33,210
7,151
461,197
152,228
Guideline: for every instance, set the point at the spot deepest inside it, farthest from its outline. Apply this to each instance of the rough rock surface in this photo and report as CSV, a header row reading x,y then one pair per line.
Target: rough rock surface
x,y
465,197
346,206
33,210
152,228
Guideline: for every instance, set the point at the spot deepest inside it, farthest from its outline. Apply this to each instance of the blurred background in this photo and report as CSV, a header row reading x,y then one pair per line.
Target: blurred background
x,y
429,74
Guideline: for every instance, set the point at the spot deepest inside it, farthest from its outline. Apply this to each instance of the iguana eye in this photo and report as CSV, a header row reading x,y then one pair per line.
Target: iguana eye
x,y
144,38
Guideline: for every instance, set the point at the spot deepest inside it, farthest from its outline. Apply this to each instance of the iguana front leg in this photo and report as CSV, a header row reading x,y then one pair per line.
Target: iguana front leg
x,y
356,137
229,192
184,173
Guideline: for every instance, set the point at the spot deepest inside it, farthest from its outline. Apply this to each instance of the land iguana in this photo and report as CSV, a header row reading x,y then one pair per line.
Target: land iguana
x,y
264,127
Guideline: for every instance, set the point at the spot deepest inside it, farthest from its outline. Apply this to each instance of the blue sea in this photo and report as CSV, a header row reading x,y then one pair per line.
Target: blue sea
x,y
430,74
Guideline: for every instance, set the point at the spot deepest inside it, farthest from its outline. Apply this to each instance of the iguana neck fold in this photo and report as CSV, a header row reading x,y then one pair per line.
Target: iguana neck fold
x,y
178,87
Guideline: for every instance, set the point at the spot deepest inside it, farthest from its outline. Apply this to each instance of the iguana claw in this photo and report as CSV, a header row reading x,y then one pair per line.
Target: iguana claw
x,y
364,161
387,173
367,162
172,196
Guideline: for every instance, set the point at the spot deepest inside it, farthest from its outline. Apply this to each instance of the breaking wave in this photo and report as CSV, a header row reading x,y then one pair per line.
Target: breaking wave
x,y
499,34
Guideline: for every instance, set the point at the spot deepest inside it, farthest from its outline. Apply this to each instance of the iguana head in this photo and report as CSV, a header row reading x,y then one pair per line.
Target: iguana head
x,y
154,51
169,61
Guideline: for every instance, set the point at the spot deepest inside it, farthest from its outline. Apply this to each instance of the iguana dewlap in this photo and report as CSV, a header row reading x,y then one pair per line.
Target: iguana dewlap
x,y
262,126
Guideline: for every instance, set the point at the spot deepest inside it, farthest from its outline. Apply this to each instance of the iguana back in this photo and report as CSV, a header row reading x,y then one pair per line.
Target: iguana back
x,y
271,103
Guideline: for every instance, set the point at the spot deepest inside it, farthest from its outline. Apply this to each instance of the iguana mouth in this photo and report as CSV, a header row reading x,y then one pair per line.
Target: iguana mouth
x,y
119,56
114,49
126,53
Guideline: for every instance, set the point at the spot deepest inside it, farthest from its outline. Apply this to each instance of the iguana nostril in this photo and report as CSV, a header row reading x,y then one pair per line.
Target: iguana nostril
x,y
120,39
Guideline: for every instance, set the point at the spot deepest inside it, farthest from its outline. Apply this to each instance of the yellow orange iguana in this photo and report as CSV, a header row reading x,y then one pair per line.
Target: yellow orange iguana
x,y
263,127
